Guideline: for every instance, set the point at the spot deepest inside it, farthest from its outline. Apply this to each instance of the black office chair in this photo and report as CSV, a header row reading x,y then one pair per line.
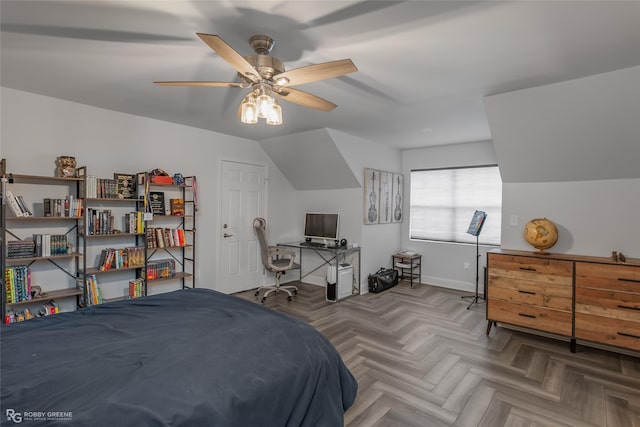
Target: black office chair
x,y
275,259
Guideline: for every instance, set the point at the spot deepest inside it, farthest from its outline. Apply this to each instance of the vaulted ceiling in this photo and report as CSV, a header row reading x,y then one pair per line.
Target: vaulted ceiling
x,y
424,67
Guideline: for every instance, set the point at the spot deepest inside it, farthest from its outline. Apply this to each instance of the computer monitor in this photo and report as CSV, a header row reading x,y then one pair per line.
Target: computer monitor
x,y
321,225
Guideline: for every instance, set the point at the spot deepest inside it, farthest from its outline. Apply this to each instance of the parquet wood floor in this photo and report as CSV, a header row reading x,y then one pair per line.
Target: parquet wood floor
x,y
422,359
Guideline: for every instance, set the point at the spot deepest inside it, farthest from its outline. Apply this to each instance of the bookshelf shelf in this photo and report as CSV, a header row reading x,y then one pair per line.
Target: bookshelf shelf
x,y
95,270
17,270
39,258
50,295
98,236
43,218
177,276
111,200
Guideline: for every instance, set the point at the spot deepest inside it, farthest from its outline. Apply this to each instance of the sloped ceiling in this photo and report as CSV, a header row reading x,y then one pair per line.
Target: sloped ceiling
x,y
423,66
323,168
579,130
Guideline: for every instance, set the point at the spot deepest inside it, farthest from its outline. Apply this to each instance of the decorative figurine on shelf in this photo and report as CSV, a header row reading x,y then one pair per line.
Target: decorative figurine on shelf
x,y
178,179
66,166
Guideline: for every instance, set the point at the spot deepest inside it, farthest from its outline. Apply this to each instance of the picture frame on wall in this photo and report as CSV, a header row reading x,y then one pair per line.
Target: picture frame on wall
x,y
371,199
397,188
386,198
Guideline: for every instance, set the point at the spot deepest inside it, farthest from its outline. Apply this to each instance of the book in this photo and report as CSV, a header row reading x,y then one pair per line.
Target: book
x,y
23,205
125,185
156,202
13,204
475,227
176,206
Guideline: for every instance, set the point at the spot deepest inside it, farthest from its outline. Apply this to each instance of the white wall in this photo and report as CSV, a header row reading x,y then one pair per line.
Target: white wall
x,y
378,241
37,129
570,153
593,217
443,264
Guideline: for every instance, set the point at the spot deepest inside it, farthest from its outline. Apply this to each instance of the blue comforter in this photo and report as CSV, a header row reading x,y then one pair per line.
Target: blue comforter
x,y
185,358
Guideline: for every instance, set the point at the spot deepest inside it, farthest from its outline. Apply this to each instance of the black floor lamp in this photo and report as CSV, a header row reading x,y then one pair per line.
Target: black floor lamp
x,y
475,227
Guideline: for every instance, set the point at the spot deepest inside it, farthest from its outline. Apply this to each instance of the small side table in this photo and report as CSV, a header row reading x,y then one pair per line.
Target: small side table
x,y
409,266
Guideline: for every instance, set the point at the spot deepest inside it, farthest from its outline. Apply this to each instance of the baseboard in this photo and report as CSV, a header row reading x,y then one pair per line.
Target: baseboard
x,y
452,284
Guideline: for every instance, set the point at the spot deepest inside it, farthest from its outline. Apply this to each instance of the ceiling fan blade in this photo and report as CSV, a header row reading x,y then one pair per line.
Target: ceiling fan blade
x,y
227,53
314,73
204,84
305,99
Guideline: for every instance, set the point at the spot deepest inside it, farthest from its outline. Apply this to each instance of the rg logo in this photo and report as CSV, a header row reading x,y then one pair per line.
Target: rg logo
x,y
14,416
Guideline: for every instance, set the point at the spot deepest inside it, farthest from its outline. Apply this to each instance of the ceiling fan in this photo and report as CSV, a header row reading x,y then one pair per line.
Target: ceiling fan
x,y
266,76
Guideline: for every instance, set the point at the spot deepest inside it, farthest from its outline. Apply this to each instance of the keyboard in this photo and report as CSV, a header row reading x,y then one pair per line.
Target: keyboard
x,y
312,244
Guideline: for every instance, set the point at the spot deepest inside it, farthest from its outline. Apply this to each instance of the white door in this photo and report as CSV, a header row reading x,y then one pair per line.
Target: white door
x,y
243,199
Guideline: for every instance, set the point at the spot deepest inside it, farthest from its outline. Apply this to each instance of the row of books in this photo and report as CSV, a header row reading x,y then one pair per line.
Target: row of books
x,y
112,259
136,288
13,316
99,221
122,186
17,205
17,281
159,237
134,222
93,292
51,244
68,207
40,246
21,248
161,269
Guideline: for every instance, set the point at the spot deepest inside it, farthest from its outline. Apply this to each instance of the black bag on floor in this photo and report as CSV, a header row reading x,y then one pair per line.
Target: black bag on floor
x,y
382,280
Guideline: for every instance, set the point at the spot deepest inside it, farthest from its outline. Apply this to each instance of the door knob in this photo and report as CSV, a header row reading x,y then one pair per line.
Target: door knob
x,y
227,235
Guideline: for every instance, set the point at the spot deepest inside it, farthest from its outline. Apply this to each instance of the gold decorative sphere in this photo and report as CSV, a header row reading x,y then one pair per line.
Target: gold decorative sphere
x,y
541,233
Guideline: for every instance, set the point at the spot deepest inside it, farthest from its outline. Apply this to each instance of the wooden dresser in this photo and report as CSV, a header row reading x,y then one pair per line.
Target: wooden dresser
x,y
591,299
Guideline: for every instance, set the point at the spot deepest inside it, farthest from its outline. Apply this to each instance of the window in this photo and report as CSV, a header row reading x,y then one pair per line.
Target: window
x,y
443,202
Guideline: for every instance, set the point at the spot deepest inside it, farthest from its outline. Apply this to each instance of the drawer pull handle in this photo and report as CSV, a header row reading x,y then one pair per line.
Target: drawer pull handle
x,y
531,316
526,292
628,335
528,268
622,279
628,307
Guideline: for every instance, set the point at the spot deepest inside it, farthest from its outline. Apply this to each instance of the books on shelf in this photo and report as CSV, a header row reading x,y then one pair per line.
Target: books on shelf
x,y
113,259
159,237
68,207
17,281
92,291
176,206
101,188
161,269
136,288
17,205
134,222
20,248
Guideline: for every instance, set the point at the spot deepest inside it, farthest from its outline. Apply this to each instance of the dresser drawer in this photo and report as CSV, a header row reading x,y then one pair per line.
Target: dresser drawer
x,y
622,278
529,268
530,292
615,305
544,319
605,330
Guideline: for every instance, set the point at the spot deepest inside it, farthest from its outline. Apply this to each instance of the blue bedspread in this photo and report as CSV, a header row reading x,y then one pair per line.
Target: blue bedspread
x,y
185,358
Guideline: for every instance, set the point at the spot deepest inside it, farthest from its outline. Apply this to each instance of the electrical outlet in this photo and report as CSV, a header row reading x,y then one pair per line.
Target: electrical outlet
x,y
513,220
466,265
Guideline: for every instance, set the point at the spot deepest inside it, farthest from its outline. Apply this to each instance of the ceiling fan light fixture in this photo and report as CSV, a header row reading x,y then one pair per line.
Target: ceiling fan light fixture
x,y
275,114
249,111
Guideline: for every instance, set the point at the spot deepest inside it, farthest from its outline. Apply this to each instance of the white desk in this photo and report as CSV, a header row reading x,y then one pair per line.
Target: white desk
x,y
328,254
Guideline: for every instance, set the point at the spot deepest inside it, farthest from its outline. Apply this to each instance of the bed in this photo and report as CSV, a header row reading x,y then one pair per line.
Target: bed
x,y
192,357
